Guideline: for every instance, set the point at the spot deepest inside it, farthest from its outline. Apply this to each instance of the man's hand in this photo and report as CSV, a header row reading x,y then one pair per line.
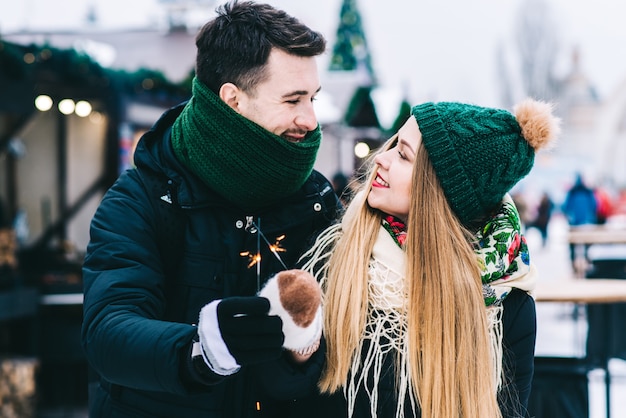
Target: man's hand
x,y
244,328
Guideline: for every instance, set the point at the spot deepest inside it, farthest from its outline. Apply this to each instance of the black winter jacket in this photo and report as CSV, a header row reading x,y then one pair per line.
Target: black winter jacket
x,y
149,270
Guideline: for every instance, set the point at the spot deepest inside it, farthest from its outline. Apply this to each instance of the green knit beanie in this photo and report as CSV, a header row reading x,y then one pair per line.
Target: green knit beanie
x,y
480,153
243,162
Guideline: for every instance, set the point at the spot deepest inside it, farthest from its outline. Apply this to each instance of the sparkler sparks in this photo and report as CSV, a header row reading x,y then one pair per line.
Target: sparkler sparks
x,y
275,247
254,259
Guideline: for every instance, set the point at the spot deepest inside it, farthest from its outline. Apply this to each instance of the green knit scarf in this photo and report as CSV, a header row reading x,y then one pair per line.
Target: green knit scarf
x,y
243,162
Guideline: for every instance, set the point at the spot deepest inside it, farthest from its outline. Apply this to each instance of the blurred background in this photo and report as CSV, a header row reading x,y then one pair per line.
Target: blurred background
x,y
81,80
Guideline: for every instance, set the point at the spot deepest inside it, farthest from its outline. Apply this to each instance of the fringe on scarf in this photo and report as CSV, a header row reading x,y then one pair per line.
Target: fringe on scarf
x,y
494,321
368,366
385,332
317,258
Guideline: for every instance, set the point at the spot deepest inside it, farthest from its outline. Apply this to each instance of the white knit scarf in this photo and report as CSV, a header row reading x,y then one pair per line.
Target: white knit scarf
x,y
386,318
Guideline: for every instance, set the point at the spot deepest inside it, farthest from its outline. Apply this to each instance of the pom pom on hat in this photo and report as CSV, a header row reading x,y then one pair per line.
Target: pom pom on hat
x,y
480,153
295,296
538,125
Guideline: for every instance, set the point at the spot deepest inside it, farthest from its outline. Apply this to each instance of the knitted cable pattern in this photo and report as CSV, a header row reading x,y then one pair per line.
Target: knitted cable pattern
x,y
480,153
471,149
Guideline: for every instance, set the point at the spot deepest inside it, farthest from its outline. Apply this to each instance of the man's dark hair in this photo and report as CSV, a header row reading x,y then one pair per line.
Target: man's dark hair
x,y
234,47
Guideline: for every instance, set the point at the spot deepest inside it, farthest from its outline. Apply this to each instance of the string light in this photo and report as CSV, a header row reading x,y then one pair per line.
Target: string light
x,y
66,106
43,103
83,108
361,150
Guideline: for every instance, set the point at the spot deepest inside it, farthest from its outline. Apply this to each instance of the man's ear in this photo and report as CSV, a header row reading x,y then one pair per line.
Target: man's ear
x,y
230,94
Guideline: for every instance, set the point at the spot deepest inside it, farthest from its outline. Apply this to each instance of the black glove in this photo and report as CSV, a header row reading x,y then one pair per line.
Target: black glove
x,y
249,333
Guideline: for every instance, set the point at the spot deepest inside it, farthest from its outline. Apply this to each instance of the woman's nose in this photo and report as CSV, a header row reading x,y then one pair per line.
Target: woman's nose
x,y
382,159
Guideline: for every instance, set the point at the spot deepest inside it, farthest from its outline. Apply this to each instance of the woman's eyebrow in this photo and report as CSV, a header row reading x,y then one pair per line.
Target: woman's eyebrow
x,y
407,145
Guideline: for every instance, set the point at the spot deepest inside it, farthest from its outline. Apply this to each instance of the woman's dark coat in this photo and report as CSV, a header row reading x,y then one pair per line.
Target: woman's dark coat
x,y
519,329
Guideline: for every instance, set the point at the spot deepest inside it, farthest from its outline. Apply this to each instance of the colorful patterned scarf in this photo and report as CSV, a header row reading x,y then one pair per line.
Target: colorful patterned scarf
x,y
503,254
501,249
396,228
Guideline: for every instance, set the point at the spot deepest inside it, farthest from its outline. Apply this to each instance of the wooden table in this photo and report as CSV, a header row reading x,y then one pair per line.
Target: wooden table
x,y
586,235
585,291
582,291
597,234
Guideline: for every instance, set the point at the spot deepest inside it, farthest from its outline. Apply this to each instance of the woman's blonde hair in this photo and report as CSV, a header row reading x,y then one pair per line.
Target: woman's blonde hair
x,y
450,359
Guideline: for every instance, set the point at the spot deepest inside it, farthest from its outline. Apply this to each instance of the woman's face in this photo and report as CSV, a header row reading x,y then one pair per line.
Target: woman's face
x,y
391,189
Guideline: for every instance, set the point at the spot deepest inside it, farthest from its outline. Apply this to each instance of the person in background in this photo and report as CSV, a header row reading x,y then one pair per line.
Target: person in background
x,y
521,203
580,208
619,206
342,187
223,196
542,217
426,279
580,205
605,206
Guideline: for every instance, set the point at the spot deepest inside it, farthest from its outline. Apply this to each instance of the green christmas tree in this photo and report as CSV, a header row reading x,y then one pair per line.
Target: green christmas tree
x,y
350,52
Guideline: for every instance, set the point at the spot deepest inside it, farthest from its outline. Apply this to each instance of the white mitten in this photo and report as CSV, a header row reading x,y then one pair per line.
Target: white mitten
x,y
295,296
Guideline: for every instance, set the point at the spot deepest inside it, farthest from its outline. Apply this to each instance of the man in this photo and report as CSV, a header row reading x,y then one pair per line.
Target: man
x,y
223,196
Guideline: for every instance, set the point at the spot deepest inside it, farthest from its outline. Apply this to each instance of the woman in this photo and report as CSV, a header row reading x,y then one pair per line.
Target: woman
x,y
426,278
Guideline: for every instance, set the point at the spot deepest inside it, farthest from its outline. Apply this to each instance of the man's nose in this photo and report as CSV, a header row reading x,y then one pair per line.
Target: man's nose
x,y
307,118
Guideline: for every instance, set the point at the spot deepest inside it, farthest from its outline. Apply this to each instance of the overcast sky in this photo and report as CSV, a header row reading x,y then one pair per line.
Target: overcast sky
x,y
437,49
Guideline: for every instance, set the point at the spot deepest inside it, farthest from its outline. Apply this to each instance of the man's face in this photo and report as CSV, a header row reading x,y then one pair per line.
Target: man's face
x,y
283,102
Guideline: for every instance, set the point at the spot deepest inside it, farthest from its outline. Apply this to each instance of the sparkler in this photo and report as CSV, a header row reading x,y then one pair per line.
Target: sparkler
x,y
254,259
